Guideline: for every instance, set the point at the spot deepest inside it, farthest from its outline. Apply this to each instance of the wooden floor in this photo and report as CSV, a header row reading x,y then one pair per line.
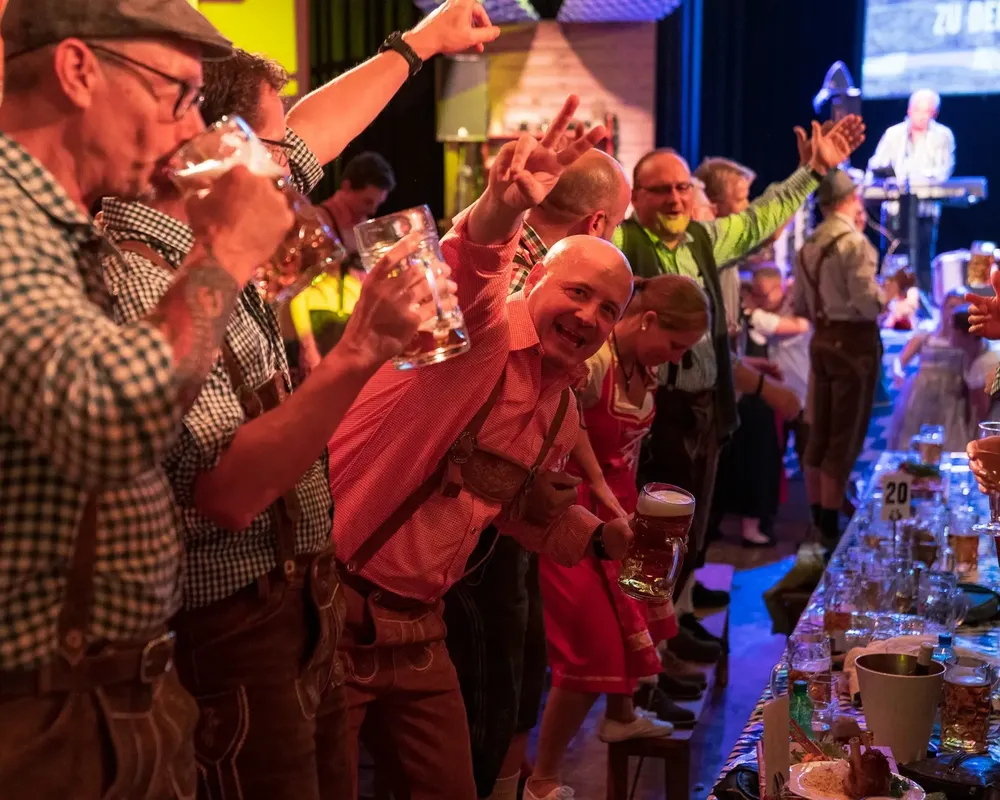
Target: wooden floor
x,y
754,650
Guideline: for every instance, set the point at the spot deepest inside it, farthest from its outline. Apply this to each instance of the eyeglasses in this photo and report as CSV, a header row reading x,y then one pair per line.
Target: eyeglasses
x,y
190,96
667,188
279,150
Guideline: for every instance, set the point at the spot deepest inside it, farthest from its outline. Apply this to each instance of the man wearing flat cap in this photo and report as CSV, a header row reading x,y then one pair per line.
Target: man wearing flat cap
x,y
97,94
835,288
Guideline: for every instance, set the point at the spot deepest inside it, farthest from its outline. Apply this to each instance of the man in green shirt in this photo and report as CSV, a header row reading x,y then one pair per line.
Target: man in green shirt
x,y
696,402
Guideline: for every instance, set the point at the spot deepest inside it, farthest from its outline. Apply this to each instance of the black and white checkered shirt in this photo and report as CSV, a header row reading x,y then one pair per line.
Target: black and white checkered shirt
x,y
218,562
85,406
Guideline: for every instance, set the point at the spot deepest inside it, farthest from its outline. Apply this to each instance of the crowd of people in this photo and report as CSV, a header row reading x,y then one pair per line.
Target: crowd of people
x,y
230,555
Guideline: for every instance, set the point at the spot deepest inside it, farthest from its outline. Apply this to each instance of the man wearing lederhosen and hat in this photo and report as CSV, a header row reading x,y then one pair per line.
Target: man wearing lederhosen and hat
x,y
836,289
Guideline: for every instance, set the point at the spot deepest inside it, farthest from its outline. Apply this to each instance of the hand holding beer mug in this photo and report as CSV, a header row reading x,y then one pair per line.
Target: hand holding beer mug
x,y
661,523
309,250
445,336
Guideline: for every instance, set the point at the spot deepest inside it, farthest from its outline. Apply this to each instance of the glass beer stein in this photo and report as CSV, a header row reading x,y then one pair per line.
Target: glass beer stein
x,y
982,260
310,250
443,336
965,704
660,527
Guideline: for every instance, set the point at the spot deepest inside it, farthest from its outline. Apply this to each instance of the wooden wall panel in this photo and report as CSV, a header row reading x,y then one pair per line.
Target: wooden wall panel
x,y
610,66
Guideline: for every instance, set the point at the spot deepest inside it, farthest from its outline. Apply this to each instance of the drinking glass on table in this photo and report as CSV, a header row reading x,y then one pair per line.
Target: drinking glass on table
x,y
941,602
310,249
807,658
660,527
988,451
841,586
444,336
963,540
965,704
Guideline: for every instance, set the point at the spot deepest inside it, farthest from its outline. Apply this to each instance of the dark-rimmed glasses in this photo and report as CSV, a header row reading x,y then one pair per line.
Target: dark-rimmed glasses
x,y
190,96
667,188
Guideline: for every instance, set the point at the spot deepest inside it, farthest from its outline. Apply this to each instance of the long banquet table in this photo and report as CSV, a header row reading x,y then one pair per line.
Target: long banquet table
x,y
982,638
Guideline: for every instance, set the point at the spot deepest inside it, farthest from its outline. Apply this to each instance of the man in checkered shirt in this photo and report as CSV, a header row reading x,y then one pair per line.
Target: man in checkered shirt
x,y
257,636
89,551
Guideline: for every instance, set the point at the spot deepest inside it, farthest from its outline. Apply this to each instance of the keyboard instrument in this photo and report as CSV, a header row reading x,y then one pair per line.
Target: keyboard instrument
x,y
952,192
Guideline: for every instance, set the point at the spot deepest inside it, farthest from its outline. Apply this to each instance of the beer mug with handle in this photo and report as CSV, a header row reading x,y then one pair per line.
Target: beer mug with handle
x,y
444,336
660,526
309,252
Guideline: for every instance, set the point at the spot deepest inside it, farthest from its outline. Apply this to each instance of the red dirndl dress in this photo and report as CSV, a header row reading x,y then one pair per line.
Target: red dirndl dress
x,y
599,639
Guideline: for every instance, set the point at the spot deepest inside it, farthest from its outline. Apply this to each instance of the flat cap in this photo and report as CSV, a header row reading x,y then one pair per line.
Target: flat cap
x,y
30,24
836,185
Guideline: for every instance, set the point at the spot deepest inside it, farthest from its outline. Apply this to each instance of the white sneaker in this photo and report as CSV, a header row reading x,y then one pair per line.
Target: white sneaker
x,y
639,728
562,793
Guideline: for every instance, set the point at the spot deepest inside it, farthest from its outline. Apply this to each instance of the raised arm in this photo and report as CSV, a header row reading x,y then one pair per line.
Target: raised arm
x,y
249,475
328,118
523,174
733,237
102,402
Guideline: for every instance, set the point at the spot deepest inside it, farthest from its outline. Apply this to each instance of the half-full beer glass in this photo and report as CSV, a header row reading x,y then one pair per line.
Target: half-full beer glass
x,y
444,335
660,527
309,250
989,456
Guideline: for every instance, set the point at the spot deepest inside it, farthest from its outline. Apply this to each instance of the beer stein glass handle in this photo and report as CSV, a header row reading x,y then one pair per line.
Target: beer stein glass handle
x,y
961,607
776,671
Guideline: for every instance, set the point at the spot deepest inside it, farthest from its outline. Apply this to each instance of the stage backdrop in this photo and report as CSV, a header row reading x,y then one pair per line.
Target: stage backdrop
x,y
764,61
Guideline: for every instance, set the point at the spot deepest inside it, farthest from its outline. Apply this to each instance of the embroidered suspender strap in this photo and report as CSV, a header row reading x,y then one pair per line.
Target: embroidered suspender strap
x,y
74,616
376,541
256,401
517,506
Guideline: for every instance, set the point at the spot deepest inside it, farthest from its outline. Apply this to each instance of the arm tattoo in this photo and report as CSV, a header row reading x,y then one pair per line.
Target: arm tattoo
x,y
193,316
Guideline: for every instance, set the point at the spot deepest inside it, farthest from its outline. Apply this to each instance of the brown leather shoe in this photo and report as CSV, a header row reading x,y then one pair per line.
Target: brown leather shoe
x,y
683,670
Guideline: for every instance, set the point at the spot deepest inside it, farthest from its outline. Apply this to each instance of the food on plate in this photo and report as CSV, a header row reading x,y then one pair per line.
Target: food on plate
x,y
868,774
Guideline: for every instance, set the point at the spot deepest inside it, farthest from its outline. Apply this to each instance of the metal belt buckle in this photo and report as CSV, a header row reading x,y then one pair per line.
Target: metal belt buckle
x,y
157,657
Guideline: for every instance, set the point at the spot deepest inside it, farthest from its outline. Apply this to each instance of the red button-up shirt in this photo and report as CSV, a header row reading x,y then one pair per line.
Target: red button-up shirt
x,y
403,423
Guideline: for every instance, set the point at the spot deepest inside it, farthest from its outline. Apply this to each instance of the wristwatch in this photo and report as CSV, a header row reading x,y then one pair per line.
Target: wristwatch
x,y
396,43
597,544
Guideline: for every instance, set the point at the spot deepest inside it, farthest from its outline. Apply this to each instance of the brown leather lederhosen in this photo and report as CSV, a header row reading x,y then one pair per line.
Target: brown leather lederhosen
x,y
485,473
315,572
148,717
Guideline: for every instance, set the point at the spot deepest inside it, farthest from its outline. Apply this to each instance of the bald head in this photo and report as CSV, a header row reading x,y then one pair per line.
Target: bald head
x,y
576,296
590,198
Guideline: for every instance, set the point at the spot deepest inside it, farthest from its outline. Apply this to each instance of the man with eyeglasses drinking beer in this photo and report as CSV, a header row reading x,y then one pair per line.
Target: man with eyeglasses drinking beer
x,y
90,552
258,631
426,460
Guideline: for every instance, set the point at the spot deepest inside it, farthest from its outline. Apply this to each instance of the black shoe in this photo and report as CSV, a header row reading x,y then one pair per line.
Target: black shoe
x,y
687,647
704,598
678,689
667,710
691,623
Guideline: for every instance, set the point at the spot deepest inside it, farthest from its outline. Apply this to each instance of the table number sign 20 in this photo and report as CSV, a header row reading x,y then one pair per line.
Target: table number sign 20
x,y
896,496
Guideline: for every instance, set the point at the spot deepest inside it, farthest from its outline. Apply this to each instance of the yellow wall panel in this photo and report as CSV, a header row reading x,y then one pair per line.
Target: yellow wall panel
x,y
261,26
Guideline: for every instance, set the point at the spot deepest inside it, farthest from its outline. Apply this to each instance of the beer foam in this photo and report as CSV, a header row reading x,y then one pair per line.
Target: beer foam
x,y
665,503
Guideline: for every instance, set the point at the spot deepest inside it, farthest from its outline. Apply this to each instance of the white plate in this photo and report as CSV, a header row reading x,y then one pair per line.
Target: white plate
x,y
802,782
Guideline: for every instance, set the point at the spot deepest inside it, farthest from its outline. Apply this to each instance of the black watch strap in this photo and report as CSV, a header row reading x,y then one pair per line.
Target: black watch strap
x,y
597,543
396,43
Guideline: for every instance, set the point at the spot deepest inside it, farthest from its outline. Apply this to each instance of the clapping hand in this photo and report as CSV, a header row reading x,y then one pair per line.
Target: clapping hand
x,y
984,312
452,27
834,146
525,171
804,144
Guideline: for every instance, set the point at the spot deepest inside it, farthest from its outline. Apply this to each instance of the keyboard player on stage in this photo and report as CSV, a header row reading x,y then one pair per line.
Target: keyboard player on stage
x,y
919,150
